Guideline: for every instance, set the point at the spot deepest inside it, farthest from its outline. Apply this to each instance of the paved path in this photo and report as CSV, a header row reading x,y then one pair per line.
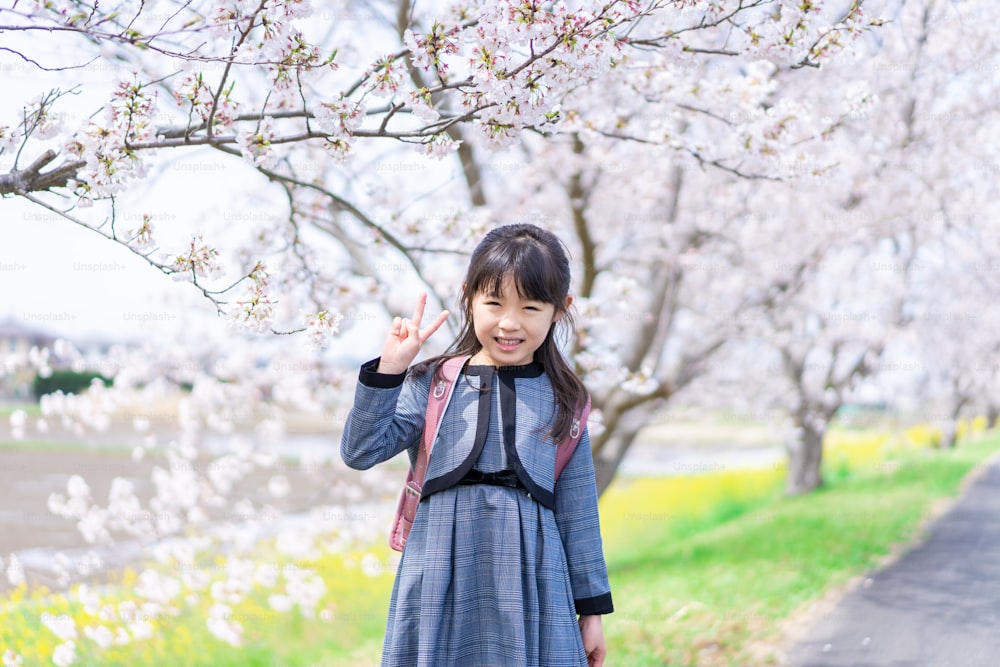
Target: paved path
x,y
937,606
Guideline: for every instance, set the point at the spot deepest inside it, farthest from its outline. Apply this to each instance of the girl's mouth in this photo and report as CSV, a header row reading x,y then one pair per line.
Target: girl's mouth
x,y
508,343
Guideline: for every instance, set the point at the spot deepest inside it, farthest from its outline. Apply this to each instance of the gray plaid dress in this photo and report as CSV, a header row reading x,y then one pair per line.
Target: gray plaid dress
x,y
490,575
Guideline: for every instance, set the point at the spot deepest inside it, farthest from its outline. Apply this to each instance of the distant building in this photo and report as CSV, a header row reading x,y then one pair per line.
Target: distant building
x,y
16,339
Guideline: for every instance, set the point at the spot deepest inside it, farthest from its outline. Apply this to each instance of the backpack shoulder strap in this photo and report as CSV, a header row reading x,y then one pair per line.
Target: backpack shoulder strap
x,y
437,402
566,448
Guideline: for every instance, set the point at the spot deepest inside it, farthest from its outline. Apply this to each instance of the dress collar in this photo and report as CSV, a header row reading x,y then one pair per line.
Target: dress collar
x,y
529,370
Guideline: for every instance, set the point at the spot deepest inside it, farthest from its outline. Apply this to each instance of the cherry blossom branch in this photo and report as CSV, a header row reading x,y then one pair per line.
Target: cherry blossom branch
x,y
702,25
828,39
31,178
163,268
344,205
43,67
228,67
128,40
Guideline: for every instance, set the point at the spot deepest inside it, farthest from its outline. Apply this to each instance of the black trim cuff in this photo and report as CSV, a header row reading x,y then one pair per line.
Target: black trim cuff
x,y
599,604
370,377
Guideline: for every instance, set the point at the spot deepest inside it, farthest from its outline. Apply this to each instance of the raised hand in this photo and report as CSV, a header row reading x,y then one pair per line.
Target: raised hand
x,y
406,338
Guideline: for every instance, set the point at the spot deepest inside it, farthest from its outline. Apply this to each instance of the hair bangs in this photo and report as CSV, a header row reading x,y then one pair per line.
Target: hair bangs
x,y
528,267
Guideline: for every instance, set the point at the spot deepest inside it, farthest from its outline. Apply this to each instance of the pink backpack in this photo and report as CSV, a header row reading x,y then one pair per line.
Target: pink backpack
x,y
437,402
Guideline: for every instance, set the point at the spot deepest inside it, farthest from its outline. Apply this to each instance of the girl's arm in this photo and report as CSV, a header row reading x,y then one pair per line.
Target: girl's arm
x,y
387,417
580,530
388,414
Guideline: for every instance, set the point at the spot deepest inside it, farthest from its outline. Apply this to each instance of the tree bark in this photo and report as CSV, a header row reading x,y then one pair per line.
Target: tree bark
x,y
992,415
608,459
805,459
949,434
949,430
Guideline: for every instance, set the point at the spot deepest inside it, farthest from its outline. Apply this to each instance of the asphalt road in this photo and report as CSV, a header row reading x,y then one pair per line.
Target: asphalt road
x,y
937,606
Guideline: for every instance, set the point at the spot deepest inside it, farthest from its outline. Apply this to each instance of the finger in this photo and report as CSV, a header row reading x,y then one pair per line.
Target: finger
x,y
433,326
411,330
418,312
397,325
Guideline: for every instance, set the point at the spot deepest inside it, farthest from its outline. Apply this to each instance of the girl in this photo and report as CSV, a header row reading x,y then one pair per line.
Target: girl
x,y
500,560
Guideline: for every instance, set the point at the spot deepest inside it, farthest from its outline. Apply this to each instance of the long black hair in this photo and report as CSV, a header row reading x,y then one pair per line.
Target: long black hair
x,y
539,265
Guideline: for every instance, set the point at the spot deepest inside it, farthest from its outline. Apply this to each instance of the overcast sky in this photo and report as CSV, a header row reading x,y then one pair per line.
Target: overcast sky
x,y
65,279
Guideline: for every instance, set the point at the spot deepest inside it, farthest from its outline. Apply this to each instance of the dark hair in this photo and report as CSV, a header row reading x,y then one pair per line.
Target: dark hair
x,y
538,263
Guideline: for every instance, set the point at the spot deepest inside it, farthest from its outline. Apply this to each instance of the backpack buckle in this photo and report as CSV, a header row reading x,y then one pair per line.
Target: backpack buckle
x,y
439,389
574,432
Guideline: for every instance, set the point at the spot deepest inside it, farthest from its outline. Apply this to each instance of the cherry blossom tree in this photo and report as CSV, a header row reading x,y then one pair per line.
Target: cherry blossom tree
x,y
890,228
932,144
953,318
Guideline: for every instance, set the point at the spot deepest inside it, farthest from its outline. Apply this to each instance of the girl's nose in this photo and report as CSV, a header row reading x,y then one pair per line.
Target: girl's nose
x,y
510,322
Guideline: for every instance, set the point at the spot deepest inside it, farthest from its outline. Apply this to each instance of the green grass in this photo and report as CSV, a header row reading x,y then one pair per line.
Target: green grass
x,y
32,409
65,446
716,596
704,569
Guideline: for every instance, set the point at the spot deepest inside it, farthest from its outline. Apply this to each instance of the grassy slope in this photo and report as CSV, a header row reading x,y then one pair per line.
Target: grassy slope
x,y
714,596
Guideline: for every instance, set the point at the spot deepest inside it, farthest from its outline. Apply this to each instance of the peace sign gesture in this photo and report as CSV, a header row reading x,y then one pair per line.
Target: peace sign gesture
x,y
406,338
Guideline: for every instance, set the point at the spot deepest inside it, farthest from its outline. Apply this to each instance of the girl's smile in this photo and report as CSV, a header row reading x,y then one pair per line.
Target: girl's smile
x,y
508,344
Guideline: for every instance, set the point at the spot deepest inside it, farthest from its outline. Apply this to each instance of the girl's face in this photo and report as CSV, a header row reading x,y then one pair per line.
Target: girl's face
x,y
510,328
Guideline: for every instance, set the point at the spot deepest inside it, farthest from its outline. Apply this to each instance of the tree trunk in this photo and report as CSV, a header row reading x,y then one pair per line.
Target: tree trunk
x,y
805,457
610,451
604,472
949,432
992,414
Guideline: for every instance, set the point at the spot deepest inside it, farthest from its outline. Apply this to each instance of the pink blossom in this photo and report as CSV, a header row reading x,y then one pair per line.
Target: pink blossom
x,y
420,104
256,311
64,654
9,139
321,327
221,624
431,51
200,260
386,75
100,635
440,146
340,118
255,144
15,572
62,626
11,659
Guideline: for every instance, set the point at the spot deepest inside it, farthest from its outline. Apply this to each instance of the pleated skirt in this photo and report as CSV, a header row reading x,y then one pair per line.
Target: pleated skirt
x,y
483,582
